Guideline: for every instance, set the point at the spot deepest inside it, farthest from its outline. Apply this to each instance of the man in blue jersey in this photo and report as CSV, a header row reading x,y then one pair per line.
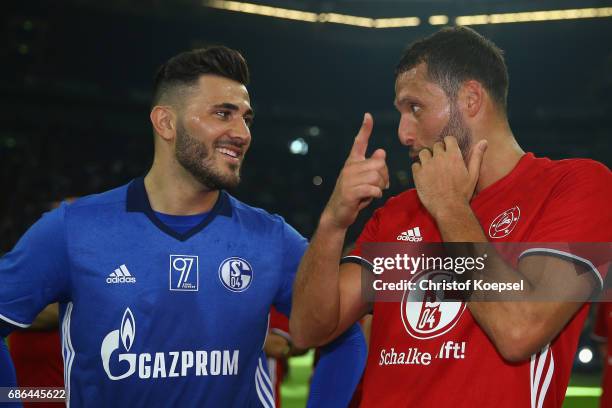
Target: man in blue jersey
x,y
165,284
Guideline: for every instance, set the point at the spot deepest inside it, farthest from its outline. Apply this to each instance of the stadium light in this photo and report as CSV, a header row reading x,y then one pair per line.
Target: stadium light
x,y
298,146
438,20
585,356
269,11
314,131
337,18
530,16
346,19
396,22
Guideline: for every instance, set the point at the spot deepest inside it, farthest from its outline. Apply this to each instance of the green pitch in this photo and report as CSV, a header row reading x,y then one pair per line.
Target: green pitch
x,y
583,392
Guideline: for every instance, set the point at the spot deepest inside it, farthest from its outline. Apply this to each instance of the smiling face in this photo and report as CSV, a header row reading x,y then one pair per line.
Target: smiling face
x,y
213,131
427,113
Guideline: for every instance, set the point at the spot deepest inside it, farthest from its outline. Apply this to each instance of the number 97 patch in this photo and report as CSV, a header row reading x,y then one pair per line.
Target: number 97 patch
x,y
236,274
184,273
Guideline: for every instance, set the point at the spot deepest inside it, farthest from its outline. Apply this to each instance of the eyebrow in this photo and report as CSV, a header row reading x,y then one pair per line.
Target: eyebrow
x,y
406,99
233,107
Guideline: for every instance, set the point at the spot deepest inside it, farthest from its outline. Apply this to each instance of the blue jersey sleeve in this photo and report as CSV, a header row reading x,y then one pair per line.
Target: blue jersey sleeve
x,y
339,370
294,246
35,273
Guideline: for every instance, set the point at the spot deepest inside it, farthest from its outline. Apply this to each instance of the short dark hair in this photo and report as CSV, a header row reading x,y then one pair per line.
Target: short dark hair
x,y
186,68
457,54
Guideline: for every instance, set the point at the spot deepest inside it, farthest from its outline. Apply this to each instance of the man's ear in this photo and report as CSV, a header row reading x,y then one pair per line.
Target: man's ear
x,y
472,96
163,119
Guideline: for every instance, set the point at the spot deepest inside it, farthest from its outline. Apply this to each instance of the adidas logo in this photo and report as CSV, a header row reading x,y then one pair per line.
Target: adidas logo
x,y
412,235
121,275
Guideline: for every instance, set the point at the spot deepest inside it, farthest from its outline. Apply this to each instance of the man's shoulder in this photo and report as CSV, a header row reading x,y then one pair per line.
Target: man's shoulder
x,y
575,170
253,214
405,201
114,197
584,180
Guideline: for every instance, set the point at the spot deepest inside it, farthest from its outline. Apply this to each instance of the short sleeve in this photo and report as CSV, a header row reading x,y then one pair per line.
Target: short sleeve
x,y
369,234
578,212
600,329
294,246
35,273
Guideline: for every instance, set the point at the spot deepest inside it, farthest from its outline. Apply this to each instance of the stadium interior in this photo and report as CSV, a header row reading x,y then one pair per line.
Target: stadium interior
x,y
77,75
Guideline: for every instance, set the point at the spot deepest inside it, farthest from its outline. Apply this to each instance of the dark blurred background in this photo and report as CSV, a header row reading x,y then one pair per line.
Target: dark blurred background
x,y
76,86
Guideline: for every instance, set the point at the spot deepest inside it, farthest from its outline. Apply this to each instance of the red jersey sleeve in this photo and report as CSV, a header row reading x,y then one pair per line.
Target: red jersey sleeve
x,y
369,234
577,212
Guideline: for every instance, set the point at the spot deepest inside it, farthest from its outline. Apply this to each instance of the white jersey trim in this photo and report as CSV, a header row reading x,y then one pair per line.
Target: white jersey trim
x,y
68,350
563,254
14,323
263,386
281,333
540,388
263,345
547,380
265,375
358,260
262,398
272,369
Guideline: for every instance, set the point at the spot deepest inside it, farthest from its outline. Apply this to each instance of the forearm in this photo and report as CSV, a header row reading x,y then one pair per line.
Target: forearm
x,y
518,322
458,223
553,289
504,321
316,292
460,228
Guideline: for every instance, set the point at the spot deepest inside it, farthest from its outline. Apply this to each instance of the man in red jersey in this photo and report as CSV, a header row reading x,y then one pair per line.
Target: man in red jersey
x,y
474,184
37,355
602,333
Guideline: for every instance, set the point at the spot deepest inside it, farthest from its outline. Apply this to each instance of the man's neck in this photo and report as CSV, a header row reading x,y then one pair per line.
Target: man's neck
x,y
502,155
177,193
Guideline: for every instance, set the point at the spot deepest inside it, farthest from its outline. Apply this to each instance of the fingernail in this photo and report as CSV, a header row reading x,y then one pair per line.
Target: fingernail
x,y
483,146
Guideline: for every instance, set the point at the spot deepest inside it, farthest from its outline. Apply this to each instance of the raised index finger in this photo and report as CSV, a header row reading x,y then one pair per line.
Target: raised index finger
x,y
360,146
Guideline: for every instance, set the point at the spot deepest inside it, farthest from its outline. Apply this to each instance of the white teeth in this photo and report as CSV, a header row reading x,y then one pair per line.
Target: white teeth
x,y
227,152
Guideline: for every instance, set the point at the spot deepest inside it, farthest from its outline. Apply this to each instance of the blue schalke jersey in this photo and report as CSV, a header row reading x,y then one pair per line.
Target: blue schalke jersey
x,y
149,316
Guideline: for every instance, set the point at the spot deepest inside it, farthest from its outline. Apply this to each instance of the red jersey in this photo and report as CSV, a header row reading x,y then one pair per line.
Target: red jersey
x,y
602,332
455,364
37,356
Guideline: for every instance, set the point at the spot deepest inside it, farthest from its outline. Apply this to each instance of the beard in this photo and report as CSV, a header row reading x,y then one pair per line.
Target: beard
x,y
195,157
454,127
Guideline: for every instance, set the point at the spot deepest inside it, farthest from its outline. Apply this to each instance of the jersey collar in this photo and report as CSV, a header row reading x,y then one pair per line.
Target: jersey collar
x,y
524,164
138,201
